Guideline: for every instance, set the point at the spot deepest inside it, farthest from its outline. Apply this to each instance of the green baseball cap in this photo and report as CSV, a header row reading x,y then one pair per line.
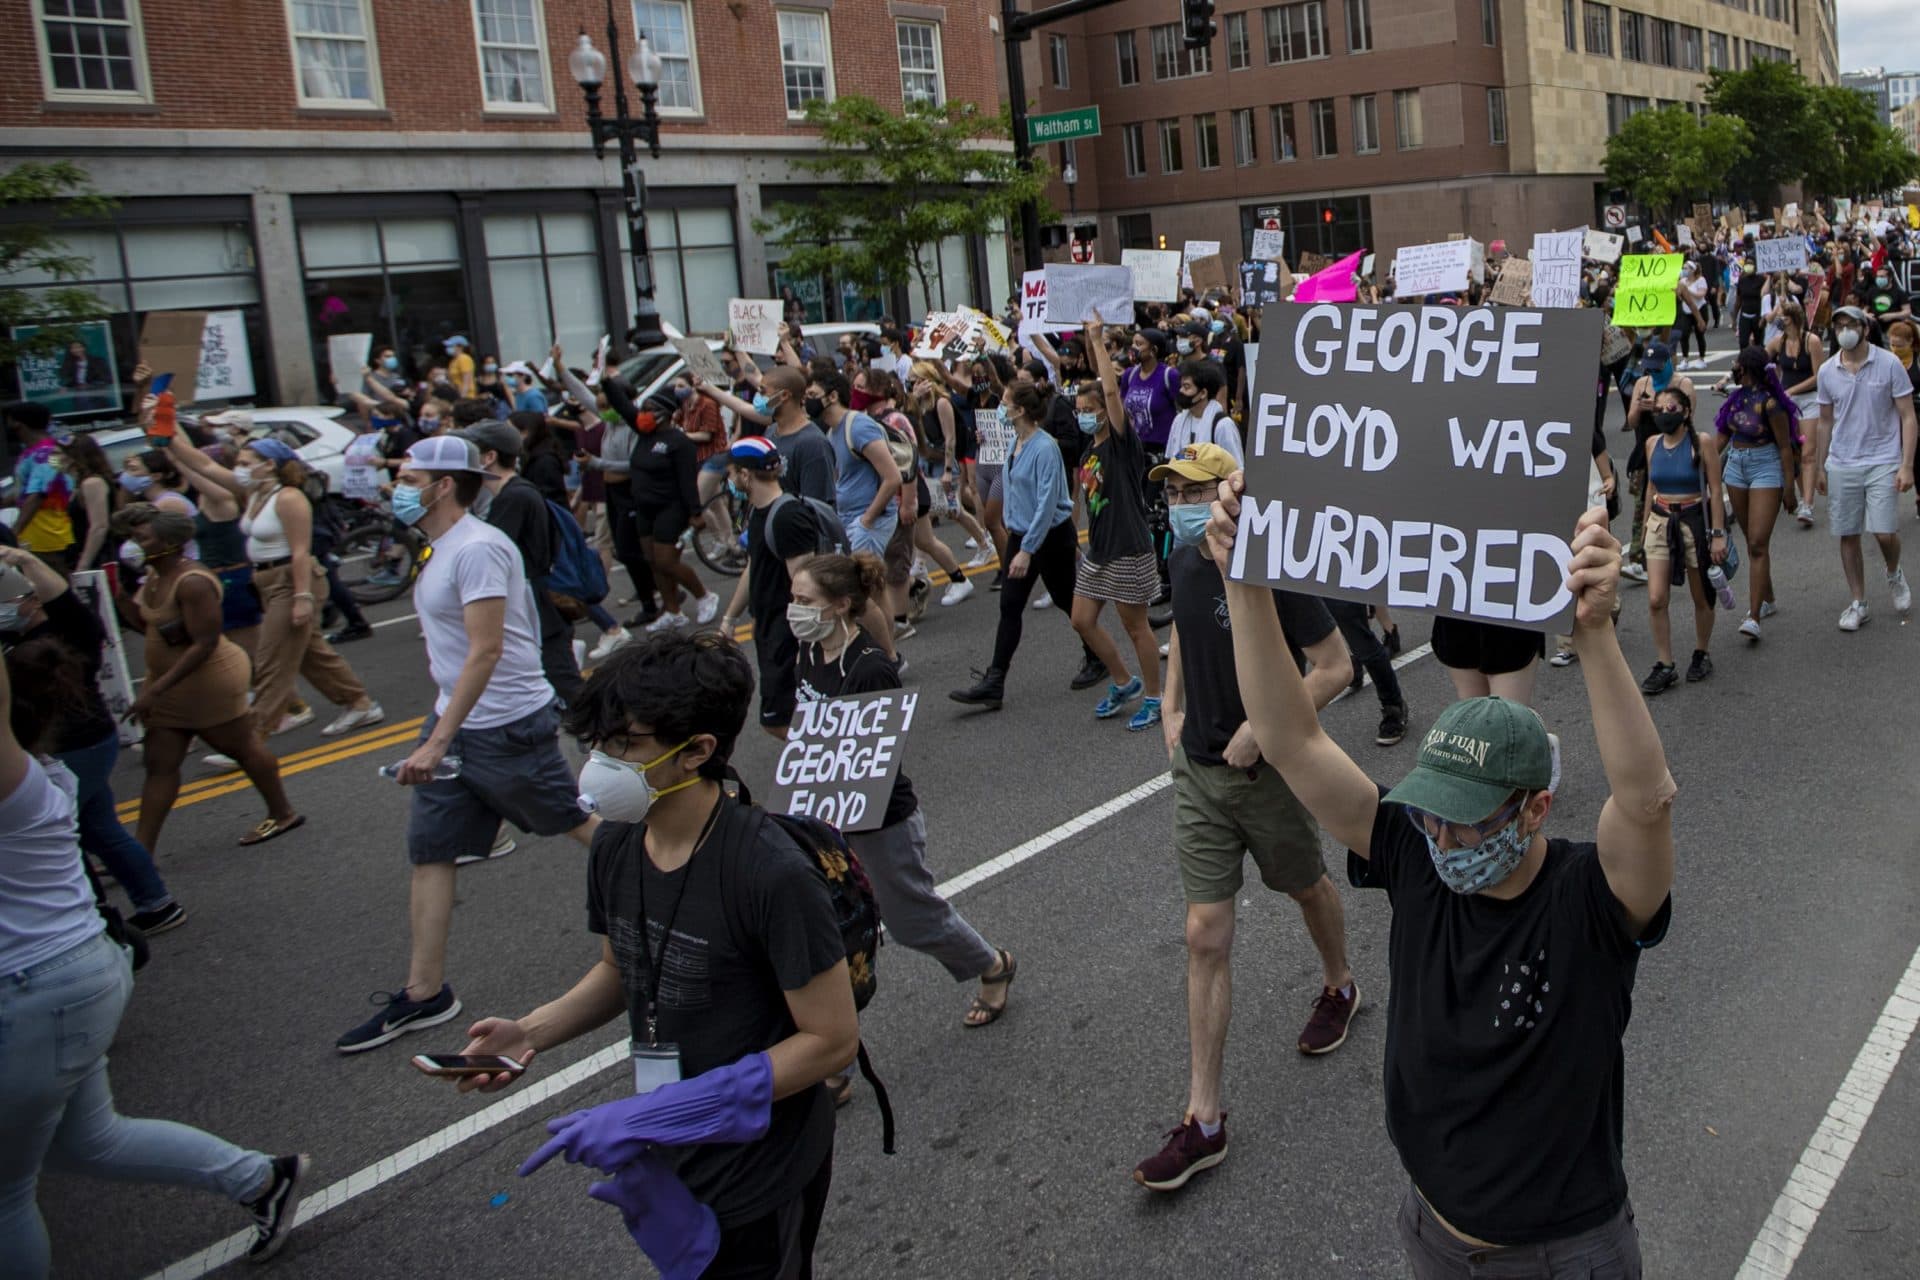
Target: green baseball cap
x,y
1478,753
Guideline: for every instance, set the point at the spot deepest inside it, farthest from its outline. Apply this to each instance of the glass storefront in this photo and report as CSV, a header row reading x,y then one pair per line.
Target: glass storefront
x,y
696,261
544,269
398,278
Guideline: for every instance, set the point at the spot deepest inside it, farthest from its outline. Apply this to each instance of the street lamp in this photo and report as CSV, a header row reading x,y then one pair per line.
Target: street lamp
x,y
589,68
1071,176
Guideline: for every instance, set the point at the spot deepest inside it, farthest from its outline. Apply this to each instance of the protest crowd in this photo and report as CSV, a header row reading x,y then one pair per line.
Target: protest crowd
x,y
614,582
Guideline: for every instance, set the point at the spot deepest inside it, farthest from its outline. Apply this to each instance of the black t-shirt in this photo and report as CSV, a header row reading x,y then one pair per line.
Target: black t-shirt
x,y
65,619
1748,292
1112,474
1882,300
1209,677
665,471
769,586
862,668
755,922
811,471
1226,348
520,512
1504,1068
547,472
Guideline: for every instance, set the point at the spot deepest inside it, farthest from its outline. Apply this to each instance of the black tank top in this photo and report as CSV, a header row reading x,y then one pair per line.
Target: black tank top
x,y
220,542
1794,370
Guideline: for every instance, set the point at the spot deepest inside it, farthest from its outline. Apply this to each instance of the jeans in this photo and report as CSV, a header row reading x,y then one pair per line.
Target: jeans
x,y
101,833
1610,1251
56,1107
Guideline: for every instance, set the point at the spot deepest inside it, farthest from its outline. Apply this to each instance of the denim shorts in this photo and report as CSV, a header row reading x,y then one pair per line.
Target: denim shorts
x,y
513,772
1861,500
872,540
1756,467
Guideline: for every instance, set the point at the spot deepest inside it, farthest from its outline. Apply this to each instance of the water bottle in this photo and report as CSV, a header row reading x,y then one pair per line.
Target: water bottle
x,y
449,767
1717,578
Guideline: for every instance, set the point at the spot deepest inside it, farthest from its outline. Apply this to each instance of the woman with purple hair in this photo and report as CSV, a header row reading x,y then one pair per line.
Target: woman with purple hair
x,y
1759,428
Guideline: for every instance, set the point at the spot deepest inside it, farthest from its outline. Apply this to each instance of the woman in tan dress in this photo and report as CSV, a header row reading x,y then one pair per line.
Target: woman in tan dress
x,y
196,678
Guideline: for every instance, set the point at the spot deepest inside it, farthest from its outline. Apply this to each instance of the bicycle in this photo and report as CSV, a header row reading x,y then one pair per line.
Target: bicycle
x,y
379,556
721,543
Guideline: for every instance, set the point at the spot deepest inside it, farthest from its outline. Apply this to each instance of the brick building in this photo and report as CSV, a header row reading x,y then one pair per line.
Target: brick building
x,y
421,168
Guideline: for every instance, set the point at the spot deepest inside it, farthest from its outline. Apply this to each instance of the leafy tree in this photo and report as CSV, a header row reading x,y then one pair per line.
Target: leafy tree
x,y
894,186
1789,134
34,249
1863,156
1667,157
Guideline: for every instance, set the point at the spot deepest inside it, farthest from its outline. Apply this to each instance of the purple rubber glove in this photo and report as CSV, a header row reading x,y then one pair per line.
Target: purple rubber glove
x,y
733,1103
679,1235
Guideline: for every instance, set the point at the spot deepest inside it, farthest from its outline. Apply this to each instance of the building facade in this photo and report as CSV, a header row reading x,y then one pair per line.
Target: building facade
x,y
421,170
1877,85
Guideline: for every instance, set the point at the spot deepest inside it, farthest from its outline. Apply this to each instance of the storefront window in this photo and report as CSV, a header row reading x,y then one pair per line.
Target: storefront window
x,y
397,278
546,284
696,266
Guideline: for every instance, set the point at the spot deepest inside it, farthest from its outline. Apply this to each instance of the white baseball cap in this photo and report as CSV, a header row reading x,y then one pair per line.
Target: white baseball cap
x,y
445,453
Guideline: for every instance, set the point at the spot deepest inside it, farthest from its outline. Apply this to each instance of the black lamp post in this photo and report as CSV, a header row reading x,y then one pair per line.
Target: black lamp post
x,y
589,67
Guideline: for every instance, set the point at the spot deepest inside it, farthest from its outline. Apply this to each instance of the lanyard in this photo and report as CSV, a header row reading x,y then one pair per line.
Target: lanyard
x,y
657,963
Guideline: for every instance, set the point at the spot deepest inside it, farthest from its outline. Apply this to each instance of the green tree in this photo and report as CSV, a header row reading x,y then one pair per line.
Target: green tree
x,y
893,187
1863,156
1667,157
34,252
1788,131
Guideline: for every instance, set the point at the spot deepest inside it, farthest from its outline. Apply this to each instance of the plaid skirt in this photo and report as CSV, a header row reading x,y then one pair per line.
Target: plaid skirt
x,y
1124,580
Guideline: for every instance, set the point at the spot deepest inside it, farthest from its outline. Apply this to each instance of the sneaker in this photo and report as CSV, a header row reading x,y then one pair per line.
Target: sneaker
x,y
352,719
219,761
1333,1012
159,920
294,720
1804,514
1146,717
666,621
398,1016
1166,649
706,608
1044,600
609,642
918,593
904,630
1854,616
1092,672
1118,696
1633,572
1563,657
1700,668
273,1212
1662,678
1750,628
503,844
1188,1151
347,635
1393,725
973,544
981,558
1902,593
957,590
1767,609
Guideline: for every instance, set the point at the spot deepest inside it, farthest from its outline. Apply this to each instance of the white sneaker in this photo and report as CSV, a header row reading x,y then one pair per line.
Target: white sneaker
x,y
1902,593
1804,514
503,844
666,621
609,642
1633,572
981,558
1562,657
1165,647
1855,614
1767,609
1043,600
973,544
351,719
904,630
293,720
1750,628
957,590
219,761
706,608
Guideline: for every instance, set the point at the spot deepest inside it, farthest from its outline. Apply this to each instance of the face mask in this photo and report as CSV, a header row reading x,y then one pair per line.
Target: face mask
x,y
1484,865
10,614
1184,400
1904,355
1883,281
1847,338
1218,326
1089,422
1183,346
859,399
409,504
807,624
132,554
815,406
981,388
136,484
1189,522
243,475
619,790
390,363
490,367
1665,422
760,405
683,394
738,494
429,425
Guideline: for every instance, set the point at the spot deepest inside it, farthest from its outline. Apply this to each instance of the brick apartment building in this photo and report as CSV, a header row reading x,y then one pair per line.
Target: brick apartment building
x,y
421,168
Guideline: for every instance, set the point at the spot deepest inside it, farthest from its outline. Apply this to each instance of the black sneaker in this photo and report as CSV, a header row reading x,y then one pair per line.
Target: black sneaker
x,y
398,1016
273,1212
1700,668
346,635
1393,725
1662,678
159,920
1092,672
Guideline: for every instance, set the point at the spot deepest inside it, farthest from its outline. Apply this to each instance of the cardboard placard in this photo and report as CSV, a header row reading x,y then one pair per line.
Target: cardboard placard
x,y
1420,457
702,363
1268,246
1208,273
1516,280
1312,262
754,324
1191,250
1156,274
995,435
841,757
1433,268
1644,297
1782,253
1264,283
1603,246
173,341
1556,268
1075,292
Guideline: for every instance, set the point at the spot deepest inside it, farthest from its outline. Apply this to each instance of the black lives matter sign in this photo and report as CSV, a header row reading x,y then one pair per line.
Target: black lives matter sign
x,y
841,757
1421,457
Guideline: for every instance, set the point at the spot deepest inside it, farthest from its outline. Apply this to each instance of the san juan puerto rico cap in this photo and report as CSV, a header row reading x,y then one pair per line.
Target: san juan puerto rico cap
x,y
1478,753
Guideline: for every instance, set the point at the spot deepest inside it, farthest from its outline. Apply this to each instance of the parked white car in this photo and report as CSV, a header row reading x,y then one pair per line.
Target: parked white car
x,y
317,433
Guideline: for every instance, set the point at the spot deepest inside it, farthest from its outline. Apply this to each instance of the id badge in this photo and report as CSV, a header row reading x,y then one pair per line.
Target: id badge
x,y
654,1065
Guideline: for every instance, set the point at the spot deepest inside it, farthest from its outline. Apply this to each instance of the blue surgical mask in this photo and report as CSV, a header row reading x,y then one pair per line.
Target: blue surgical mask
x,y
1218,326
135,484
1189,522
10,616
760,403
682,394
1486,864
1089,422
390,363
408,504
739,494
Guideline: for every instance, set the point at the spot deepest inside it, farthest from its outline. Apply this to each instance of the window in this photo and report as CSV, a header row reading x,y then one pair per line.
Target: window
x,y
1296,32
1497,117
1571,25
1690,58
1172,60
1246,146
1285,146
806,60
1490,22
1325,141
1717,59
513,54
1778,10
1133,142
1620,109
1057,55
1359,26
1239,47
1366,126
668,27
1136,230
1129,58
1633,37
333,53
545,270
1206,140
1409,130
398,278
696,267
1599,23
919,63
1664,49
1170,146
92,50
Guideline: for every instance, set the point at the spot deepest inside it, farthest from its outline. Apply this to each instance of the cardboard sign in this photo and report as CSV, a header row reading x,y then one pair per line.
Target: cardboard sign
x,y
70,385
943,331
1433,268
346,357
91,589
1603,246
1264,283
1269,246
226,361
1556,268
702,363
1074,293
1644,297
1191,250
1516,280
996,437
1312,262
1156,274
841,757
1782,253
754,324
1208,273
1421,457
173,341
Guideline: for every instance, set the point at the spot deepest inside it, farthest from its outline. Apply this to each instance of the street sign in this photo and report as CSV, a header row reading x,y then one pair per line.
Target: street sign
x,y
1616,215
1064,126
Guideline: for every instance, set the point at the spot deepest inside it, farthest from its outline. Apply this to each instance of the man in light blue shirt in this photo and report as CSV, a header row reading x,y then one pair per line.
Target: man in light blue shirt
x,y
870,484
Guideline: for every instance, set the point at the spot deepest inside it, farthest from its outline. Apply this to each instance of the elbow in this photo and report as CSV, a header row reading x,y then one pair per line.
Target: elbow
x,y
1654,806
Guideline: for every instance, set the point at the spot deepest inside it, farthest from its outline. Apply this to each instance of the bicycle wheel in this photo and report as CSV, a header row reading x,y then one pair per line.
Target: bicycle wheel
x,y
718,543
378,561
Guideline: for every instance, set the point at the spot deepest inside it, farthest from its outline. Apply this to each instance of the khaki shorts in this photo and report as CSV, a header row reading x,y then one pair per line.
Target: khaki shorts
x,y
1660,537
594,526
1220,815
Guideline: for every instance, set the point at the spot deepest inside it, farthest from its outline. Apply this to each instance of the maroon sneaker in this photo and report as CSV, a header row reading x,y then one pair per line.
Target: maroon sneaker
x,y
1187,1152
1326,1030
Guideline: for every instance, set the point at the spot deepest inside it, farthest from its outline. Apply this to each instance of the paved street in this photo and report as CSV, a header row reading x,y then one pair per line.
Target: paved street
x,y
1796,914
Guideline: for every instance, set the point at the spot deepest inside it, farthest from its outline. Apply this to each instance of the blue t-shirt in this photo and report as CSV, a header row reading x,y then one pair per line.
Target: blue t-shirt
x,y
533,398
859,482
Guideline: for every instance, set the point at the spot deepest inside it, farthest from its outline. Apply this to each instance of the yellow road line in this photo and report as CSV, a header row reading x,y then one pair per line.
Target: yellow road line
x,y
382,732
228,783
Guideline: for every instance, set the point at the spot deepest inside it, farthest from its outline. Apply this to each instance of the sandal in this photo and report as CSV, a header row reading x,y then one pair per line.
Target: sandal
x,y
273,828
988,1014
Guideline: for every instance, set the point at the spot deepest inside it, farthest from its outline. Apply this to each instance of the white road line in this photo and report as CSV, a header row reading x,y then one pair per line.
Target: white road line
x,y
522,1099
1825,1158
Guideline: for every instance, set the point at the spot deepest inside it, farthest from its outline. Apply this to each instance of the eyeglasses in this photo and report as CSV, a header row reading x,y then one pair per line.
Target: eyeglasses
x,y
1466,835
1182,495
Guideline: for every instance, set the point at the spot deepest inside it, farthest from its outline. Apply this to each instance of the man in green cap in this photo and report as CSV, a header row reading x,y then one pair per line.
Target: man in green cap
x,y
1512,955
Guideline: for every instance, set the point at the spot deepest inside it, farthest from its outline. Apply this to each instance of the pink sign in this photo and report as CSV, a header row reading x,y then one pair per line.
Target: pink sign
x,y
1331,284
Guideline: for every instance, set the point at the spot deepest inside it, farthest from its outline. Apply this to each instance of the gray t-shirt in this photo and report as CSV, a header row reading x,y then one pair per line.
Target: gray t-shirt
x,y
810,471
1866,421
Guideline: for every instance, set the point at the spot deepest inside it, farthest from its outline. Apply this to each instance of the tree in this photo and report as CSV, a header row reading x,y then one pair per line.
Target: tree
x,y
1667,157
894,187
33,248
1863,156
1826,136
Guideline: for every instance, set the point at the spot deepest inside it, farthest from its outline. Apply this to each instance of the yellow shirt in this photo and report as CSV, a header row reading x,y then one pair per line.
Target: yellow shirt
x,y
460,373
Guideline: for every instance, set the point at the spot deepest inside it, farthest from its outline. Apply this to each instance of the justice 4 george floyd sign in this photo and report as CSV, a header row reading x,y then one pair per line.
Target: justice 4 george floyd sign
x,y
1421,457
841,757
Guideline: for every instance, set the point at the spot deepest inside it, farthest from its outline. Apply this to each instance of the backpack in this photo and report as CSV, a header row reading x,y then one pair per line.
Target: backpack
x,y
830,533
576,570
904,454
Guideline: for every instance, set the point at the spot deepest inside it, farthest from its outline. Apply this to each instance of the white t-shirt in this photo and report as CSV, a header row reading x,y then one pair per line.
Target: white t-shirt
x,y
45,904
475,561
1213,426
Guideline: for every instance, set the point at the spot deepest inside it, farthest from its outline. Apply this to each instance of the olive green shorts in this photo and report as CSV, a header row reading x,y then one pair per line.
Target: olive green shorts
x,y
1221,814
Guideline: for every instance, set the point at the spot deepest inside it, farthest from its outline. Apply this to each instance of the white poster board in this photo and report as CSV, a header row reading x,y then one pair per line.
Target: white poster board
x,y
754,324
1633,235
1269,246
1433,268
361,479
226,362
1603,246
1195,249
996,437
1556,268
346,357
1156,274
1075,292
1783,253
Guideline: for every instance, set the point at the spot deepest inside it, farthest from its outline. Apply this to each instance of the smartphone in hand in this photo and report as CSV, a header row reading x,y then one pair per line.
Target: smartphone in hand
x,y
454,1065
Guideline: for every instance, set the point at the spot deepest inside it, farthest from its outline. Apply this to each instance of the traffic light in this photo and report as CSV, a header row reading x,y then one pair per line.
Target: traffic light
x,y
1326,215
1198,26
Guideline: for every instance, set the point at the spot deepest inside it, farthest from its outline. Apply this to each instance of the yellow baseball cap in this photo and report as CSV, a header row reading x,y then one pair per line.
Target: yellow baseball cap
x,y
1198,462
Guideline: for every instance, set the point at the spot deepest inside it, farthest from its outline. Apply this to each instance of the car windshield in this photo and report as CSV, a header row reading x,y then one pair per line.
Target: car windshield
x,y
647,368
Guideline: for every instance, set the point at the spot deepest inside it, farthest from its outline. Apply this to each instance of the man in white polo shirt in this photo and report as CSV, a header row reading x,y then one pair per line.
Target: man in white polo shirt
x,y
491,749
1865,441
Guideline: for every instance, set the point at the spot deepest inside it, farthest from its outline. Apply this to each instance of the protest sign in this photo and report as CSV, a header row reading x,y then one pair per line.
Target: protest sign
x,y
1311,262
1556,267
1268,246
1782,253
361,479
1420,457
1366,265
1191,250
754,324
1634,236
1264,283
701,362
68,382
943,332
1685,234
985,333
346,357
1074,293
1156,274
1751,230
841,757
226,361
1516,279
1208,273
1433,268
173,342
1603,246
995,436
1644,297
91,588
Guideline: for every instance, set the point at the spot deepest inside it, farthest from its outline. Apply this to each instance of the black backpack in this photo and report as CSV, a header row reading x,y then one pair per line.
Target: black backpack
x,y
830,532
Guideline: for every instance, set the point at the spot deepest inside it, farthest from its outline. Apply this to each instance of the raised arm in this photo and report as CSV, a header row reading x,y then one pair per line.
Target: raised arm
x,y
190,456
1109,376
743,410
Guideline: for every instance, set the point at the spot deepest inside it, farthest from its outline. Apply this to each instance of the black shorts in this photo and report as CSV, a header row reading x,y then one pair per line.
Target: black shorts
x,y
776,651
662,524
1485,647
513,772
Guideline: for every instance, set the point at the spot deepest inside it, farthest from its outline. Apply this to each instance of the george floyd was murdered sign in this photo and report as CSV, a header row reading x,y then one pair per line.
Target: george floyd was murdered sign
x,y
1421,457
841,757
